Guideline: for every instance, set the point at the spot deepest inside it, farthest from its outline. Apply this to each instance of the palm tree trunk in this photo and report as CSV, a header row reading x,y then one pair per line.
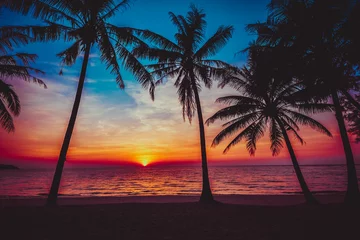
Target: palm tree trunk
x,y
206,195
305,189
352,194
52,197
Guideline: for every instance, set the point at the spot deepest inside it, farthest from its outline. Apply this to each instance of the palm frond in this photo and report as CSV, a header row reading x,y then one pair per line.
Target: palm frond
x,y
257,131
295,133
171,71
131,63
233,126
217,63
108,56
236,99
6,119
24,58
232,111
312,108
8,101
218,72
216,42
307,121
178,23
159,40
70,55
234,81
10,38
46,9
240,136
289,121
276,138
203,75
124,4
8,95
186,97
20,72
125,35
156,54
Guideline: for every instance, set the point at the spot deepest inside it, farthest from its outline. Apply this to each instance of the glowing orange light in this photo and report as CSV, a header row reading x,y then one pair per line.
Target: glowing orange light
x,y
145,162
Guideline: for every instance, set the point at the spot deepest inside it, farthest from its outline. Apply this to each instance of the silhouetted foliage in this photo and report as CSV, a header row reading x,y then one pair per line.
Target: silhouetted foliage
x,y
84,24
13,67
266,100
321,35
187,61
352,115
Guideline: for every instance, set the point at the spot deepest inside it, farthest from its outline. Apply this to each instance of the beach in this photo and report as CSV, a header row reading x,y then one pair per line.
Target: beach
x,y
179,217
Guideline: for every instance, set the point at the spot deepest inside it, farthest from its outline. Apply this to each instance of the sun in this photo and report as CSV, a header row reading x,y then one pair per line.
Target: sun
x,y
145,162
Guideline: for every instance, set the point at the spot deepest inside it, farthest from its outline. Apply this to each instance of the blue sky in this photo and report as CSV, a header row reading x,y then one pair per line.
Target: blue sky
x,y
126,124
152,15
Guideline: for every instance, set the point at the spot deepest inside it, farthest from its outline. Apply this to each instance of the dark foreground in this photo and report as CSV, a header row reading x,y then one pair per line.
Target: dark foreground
x,y
179,221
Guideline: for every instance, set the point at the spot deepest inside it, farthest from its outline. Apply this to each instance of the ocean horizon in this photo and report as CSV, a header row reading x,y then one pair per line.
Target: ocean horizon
x,y
175,180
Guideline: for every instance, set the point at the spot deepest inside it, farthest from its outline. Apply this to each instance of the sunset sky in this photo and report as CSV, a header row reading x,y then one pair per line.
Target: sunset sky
x,y
116,125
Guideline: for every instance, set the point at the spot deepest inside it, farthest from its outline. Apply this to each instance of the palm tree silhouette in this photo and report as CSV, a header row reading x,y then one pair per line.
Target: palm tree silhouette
x,y
85,24
314,31
187,61
352,116
265,100
13,67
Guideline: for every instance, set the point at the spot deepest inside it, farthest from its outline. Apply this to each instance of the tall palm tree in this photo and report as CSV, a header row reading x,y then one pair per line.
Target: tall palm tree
x,y
186,59
13,66
313,30
264,103
84,23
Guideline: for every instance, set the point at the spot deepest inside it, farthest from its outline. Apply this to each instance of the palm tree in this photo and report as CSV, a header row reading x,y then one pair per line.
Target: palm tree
x,y
85,23
313,30
13,66
352,116
265,100
187,61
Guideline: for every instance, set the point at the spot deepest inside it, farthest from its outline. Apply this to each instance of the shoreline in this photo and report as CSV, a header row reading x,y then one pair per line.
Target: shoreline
x,y
248,200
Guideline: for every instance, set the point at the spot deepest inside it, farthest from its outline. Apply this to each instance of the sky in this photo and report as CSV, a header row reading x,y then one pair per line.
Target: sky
x,y
126,126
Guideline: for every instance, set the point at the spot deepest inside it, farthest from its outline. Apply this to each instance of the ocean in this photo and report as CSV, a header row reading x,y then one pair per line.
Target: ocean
x,y
175,180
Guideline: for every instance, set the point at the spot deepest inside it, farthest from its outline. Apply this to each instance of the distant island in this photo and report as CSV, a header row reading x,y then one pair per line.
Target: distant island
x,y
7,167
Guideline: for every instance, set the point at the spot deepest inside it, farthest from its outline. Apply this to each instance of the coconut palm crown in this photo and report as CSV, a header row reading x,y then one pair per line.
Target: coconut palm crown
x,y
265,101
85,24
322,36
187,60
254,111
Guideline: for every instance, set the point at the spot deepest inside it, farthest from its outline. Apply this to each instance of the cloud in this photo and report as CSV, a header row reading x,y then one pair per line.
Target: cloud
x,y
109,128
76,79
91,56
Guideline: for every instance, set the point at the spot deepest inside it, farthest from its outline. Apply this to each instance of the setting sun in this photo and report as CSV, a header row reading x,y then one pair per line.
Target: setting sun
x,y
144,161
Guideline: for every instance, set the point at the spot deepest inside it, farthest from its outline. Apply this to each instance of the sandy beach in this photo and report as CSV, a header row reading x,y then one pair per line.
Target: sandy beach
x,y
172,217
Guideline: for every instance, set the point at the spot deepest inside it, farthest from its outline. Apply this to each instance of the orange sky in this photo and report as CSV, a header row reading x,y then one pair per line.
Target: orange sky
x,y
116,125
150,132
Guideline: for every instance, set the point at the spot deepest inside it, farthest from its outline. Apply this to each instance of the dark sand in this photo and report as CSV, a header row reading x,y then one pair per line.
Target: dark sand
x,y
179,218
